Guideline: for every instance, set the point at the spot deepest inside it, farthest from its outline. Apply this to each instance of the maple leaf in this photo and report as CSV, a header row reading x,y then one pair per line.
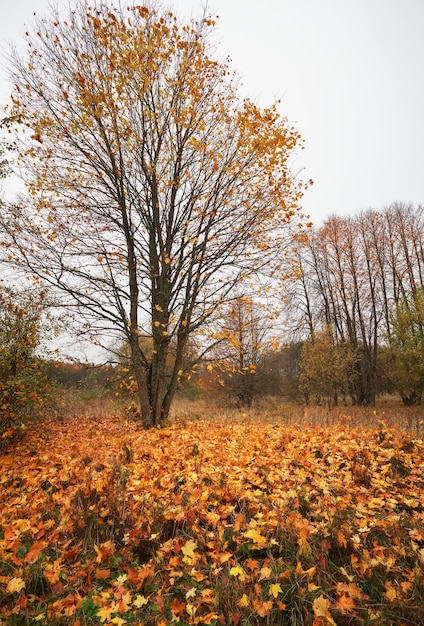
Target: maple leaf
x,y
188,550
51,572
354,591
275,589
238,572
320,607
121,578
391,594
104,614
104,551
304,547
223,557
262,608
35,551
259,540
244,601
345,573
345,604
265,573
15,585
40,616
177,606
207,619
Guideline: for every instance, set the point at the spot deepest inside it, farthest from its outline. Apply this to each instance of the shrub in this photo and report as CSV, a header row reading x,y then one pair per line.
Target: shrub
x,y
24,389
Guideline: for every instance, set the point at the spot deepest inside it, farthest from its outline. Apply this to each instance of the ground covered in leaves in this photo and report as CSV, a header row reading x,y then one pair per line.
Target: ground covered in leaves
x,y
208,523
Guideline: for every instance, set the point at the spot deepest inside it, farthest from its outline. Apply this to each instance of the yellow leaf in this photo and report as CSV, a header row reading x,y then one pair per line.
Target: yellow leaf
x,y
140,601
122,578
304,547
310,572
321,609
16,584
345,573
158,308
104,614
275,589
238,572
259,540
244,601
191,609
188,550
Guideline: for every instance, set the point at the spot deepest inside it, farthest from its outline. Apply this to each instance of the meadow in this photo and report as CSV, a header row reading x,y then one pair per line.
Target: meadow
x,y
281,515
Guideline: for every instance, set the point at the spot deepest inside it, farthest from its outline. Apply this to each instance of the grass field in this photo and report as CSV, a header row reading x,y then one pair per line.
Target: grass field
x,y
221,517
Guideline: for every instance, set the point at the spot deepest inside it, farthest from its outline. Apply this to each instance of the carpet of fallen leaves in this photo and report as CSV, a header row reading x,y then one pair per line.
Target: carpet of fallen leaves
x,y
209,523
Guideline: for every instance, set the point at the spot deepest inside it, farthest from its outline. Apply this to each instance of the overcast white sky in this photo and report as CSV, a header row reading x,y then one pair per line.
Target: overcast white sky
x,y
350,74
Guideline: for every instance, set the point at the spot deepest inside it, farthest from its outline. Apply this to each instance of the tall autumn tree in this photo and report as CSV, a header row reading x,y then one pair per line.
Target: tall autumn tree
x,y
154,187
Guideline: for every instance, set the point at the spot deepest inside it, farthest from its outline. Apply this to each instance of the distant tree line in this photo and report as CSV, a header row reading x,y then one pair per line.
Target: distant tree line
x,y
360,280
354,315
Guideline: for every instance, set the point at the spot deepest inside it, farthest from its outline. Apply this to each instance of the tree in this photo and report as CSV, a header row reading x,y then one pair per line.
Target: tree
x,y
6,147
243,339
406,368
154,188
325,368
350,276
24,389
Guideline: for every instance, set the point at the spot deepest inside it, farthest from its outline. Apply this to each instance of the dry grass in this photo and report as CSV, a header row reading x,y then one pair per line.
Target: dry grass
x,y
99,405
274,410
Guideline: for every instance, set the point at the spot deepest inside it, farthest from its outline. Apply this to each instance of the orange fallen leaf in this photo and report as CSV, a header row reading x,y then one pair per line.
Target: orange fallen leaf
x,y
345,604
